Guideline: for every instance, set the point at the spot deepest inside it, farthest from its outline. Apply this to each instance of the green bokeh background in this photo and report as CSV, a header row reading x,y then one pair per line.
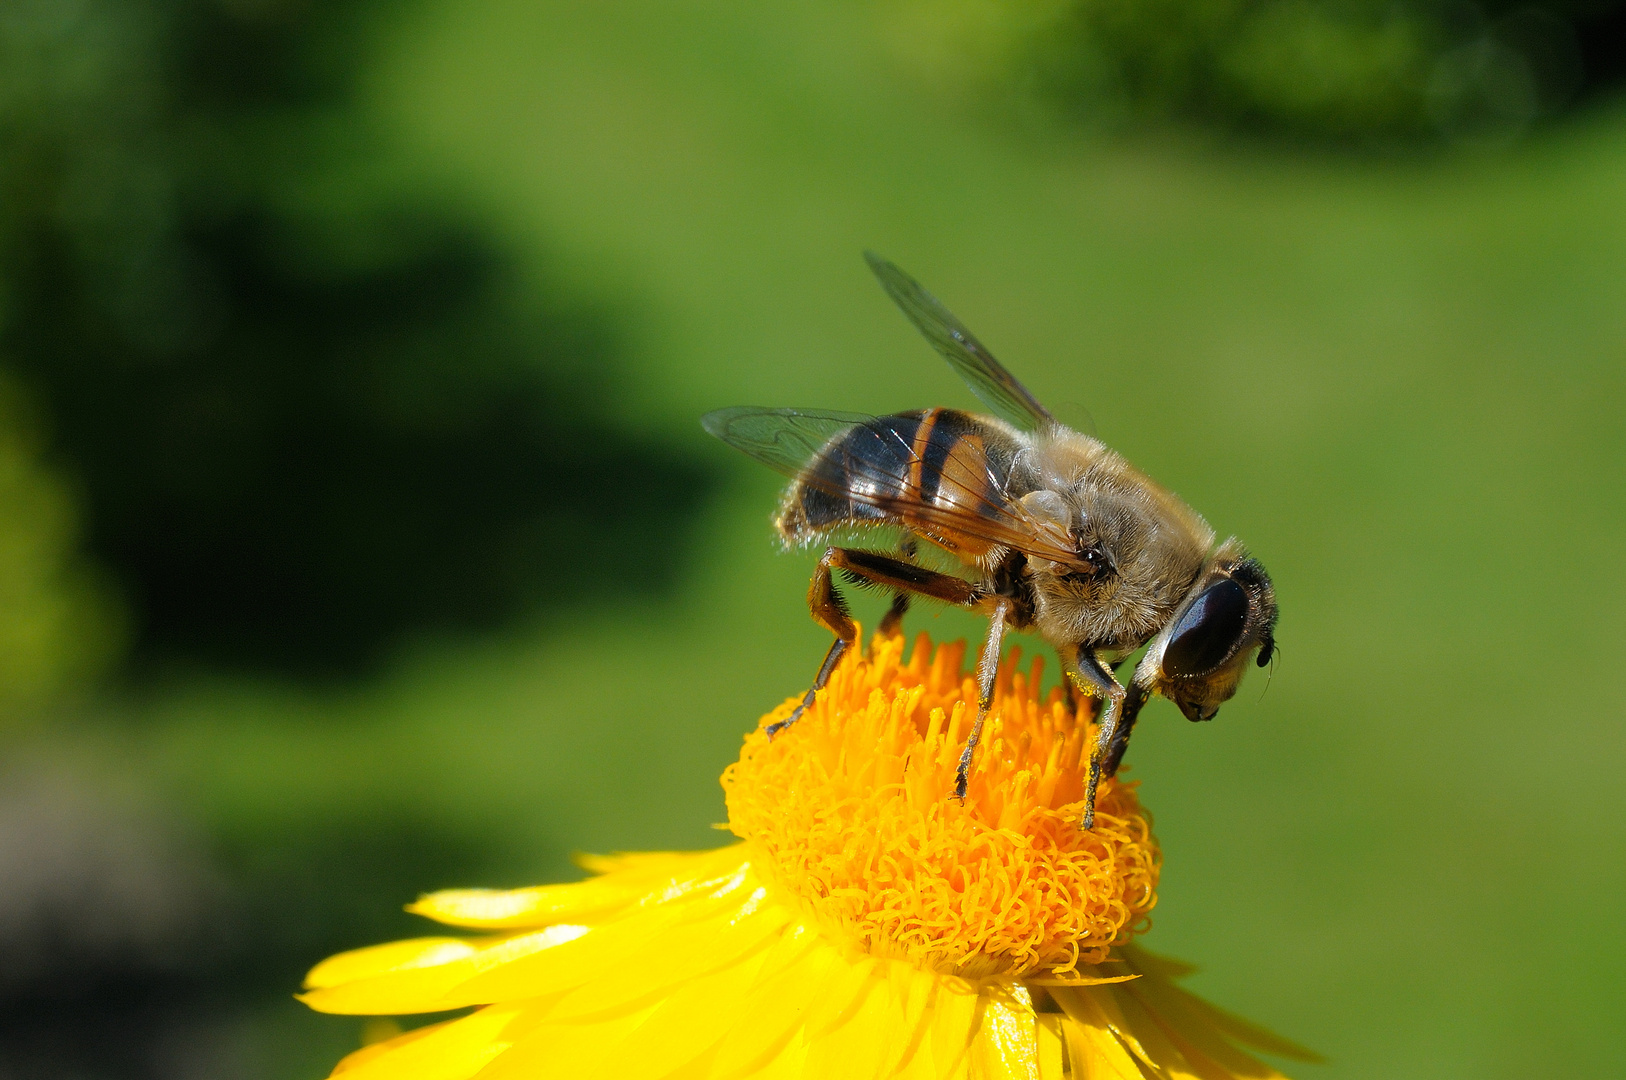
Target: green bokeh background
x,y
1402,379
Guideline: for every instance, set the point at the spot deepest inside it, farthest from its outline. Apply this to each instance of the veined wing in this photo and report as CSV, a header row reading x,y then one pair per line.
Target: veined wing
x,y
987,377
782,439
871,461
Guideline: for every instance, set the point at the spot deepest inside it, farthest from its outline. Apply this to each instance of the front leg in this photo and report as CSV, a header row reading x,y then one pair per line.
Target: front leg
x,y
1138,696
1088,674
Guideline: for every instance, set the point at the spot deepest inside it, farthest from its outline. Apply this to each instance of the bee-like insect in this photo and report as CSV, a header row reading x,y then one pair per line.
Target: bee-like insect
x,y
1062,536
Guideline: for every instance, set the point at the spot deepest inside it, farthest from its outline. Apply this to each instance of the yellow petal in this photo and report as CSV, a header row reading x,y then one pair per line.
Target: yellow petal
x,y
1052,1046
881,1018
428,989
378,959
1096,1053
1150,1040
384,1046
690,1022
783,995
789,1064
499,909
1094,1049
916,994
855,1042
451,1051
557,1051
955,1016
1006,1046
656,863
614,989
542,962
631,879
670,940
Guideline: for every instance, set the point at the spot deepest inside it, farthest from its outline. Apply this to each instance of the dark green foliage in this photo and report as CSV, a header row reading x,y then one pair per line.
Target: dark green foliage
x,y
1339,70
299,433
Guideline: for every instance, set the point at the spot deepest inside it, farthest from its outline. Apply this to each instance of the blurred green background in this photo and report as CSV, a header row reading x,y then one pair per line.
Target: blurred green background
x,y
358,538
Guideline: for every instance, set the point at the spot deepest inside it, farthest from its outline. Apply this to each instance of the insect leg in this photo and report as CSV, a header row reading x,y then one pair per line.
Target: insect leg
x,y
892,622
1133,703
831,659
1071,701
987,669
829,609
871,568
1088,674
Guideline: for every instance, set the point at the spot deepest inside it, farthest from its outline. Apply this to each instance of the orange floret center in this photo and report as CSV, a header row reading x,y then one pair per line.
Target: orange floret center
x,y
850,812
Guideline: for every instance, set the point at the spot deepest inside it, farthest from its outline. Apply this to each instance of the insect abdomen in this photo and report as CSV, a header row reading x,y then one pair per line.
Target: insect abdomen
x,y
895,465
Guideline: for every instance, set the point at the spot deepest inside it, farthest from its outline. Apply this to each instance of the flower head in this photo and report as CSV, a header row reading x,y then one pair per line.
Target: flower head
x,y
866,925
847,813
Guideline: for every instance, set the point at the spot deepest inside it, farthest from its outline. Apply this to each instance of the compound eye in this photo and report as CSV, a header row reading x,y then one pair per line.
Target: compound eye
x,y
1208,632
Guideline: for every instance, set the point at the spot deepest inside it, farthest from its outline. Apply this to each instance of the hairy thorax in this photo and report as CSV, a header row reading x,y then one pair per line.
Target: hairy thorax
x,y
1153,545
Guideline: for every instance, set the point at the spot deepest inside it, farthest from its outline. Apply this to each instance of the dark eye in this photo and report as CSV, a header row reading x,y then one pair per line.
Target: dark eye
x,y
1208,632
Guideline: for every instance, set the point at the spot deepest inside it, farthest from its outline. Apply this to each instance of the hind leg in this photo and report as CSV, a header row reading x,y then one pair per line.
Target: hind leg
x,y
829,608
892,621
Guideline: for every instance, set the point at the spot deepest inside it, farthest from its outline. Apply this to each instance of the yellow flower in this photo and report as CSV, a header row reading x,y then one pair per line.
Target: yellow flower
x,y
865,926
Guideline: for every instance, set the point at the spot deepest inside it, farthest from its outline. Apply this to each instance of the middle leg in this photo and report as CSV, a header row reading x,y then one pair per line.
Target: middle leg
x,y
987,671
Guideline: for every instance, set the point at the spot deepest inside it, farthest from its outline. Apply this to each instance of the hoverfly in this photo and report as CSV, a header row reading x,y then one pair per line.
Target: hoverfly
x,y
1058,533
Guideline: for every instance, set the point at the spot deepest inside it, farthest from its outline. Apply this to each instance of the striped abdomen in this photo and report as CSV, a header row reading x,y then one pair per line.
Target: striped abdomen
x,y
918,470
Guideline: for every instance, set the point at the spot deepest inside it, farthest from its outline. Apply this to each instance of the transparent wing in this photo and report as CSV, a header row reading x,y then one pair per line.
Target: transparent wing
x,y
782,439
874,465
987,377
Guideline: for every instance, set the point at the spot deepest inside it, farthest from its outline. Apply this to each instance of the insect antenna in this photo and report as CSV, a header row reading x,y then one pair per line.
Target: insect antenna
x,y
1270,672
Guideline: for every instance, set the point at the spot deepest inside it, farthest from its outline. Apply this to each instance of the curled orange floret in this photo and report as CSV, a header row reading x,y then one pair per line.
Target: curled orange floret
x,y
850,813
